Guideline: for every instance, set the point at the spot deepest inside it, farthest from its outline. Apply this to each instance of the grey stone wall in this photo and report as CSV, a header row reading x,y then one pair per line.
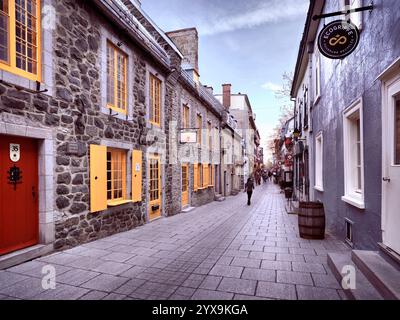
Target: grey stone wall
x,y
75,113
202,197
342,83
78,91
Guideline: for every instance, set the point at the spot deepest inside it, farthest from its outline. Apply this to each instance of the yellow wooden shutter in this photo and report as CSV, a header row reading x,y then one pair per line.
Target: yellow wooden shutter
x,y
195,183
98,178
137,158
205,175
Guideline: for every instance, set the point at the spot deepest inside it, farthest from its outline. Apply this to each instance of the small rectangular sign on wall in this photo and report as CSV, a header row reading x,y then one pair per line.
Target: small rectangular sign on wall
x,y
15,152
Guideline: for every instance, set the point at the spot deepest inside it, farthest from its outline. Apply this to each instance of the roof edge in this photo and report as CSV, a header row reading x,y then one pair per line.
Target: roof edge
x,y
316,7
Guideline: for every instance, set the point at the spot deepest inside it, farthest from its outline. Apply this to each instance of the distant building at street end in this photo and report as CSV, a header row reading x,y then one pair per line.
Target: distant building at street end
x,y
238,106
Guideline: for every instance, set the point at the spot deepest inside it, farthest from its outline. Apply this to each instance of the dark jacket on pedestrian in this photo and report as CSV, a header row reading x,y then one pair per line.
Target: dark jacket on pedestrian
x,y
249,187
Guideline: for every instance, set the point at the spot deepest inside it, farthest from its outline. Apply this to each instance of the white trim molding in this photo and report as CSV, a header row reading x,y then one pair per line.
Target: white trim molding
x,y
317,78
353,145
319,162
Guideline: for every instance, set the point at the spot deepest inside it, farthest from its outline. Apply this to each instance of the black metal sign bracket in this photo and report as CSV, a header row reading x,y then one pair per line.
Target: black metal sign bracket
x,y
344,12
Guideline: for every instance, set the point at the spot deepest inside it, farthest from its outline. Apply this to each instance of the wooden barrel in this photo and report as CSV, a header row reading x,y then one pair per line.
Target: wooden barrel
x,y
312,220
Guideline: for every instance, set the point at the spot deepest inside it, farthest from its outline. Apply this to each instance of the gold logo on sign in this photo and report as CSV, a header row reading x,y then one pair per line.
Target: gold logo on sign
x,y
337,40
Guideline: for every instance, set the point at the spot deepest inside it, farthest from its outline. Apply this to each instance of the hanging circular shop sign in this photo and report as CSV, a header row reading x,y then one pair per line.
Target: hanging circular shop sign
x,y
338,39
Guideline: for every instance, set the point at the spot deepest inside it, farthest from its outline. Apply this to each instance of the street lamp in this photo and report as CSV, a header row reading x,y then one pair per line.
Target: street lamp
x,y
297,135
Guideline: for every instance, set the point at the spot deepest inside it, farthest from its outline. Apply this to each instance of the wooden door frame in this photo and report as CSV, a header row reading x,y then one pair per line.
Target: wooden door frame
x,y
46,154
28,205
187,165
160,179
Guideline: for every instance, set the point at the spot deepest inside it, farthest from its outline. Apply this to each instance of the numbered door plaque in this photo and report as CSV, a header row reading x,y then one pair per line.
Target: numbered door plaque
x,y
15,152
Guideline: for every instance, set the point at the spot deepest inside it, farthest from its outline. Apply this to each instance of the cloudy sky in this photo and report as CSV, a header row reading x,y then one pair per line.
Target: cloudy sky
x,y
249,43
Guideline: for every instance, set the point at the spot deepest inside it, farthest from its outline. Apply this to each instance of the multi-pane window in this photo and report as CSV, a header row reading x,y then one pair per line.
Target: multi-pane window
x,y
116,79
155,100
300,115
185,178
199,128
116,175
20,37
353,156
4,31
305,107
397,131
186,117
154,179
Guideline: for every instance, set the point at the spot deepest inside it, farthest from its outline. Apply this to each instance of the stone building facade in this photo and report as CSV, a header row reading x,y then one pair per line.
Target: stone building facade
x,y
103,111
199,110
239,107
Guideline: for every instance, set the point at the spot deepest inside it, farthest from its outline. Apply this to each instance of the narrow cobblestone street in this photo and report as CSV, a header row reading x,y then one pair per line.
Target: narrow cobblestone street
x,y
224,250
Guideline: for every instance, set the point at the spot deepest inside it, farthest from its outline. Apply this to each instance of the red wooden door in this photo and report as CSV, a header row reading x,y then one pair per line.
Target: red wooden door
x,y
19,210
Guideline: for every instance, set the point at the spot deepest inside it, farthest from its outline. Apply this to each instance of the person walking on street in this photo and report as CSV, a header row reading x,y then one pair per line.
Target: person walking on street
x,y
249,187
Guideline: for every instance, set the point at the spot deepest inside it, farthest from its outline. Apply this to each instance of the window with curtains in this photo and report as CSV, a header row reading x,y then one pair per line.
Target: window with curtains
x,y
20,37
116,175
116,79
155,100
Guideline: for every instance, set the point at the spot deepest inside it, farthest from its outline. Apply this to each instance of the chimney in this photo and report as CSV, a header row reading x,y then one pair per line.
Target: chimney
x,y
187,41
226,95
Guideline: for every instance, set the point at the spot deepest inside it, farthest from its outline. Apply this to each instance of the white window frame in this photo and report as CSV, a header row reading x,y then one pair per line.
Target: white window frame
x,y
353,196
317,78
319,162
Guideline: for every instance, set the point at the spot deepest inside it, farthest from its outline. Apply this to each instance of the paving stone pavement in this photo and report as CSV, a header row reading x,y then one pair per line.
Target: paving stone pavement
x,y
221,251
